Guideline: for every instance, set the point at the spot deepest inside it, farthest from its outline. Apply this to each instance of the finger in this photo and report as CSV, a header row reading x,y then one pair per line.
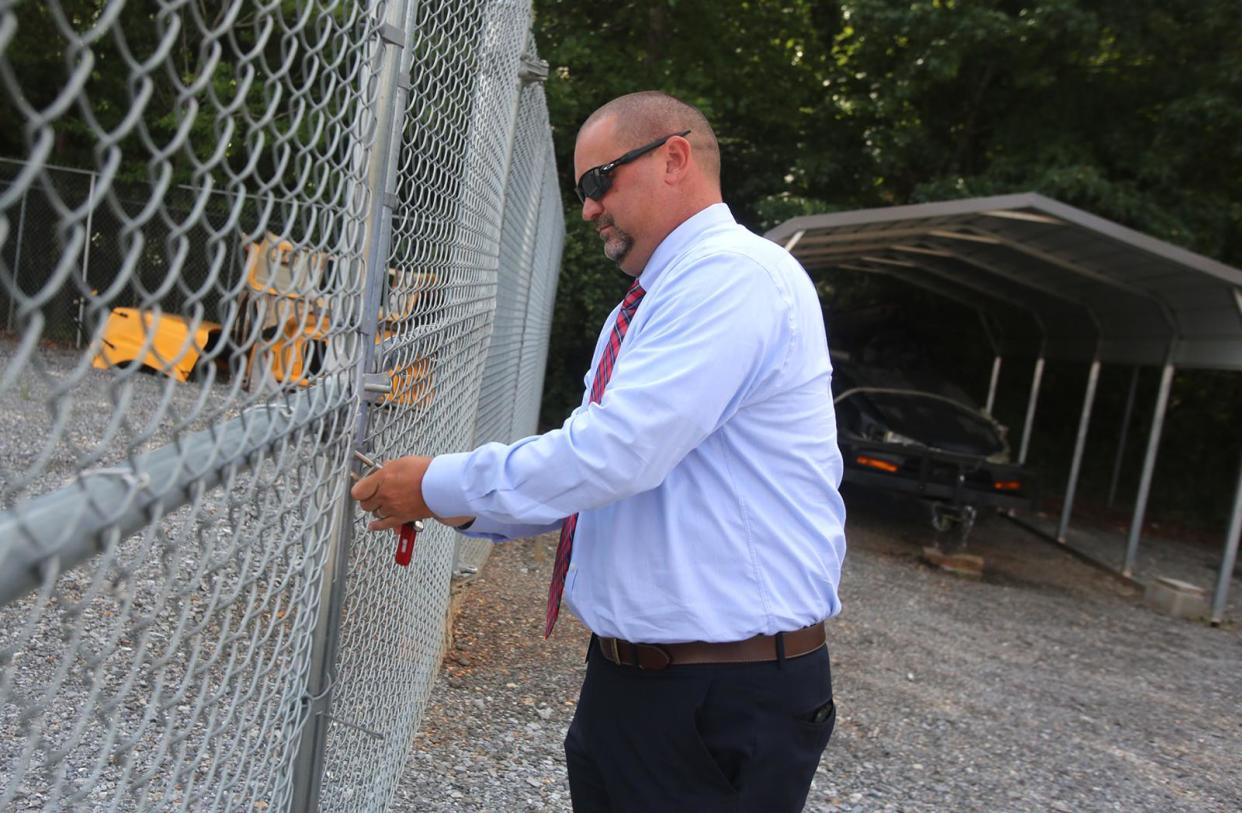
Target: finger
x,y
365,489
385,524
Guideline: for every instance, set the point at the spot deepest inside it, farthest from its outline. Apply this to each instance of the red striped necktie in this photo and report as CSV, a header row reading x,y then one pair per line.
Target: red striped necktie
x,y
563,550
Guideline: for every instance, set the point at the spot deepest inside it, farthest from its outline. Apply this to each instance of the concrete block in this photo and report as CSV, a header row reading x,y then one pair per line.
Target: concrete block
x,y
963,564
1176,598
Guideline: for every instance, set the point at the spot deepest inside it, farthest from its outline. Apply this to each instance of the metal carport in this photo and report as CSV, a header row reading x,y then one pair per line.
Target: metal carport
x,y
1061,284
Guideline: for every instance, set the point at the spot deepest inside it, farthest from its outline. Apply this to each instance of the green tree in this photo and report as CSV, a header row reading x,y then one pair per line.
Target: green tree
x,y
1117,107
1125,108
753,68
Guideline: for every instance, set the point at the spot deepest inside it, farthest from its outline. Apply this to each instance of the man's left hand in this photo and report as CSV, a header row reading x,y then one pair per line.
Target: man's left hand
x,y
394,492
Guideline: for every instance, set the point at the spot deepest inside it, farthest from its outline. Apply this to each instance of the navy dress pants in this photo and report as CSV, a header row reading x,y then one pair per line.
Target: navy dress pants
x,y
699,738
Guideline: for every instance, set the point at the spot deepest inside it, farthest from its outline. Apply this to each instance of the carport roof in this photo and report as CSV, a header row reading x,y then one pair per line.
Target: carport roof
x,y
1077,284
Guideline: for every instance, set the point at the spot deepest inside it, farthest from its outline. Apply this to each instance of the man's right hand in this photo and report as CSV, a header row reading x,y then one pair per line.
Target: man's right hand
x,y
394,494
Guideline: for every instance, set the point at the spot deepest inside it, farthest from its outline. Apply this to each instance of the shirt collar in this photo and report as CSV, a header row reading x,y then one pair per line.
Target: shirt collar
x,y
681,238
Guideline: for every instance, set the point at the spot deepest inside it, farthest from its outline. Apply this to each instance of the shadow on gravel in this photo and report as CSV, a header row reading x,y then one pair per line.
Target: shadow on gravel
x,y
899,526
1044,686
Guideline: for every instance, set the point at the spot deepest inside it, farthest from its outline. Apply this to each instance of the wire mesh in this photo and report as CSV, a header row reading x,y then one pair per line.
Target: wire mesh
x,y
494,421
513,373
447,230
537,326
231,286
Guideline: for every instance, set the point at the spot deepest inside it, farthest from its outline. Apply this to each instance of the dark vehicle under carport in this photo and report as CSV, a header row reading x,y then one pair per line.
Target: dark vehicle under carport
x,y
918,434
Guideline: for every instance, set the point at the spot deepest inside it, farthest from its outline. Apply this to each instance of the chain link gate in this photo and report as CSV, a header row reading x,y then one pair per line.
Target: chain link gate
x,y
284,231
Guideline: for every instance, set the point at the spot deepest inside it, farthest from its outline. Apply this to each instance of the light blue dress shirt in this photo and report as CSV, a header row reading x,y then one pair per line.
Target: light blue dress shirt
x,y
707,478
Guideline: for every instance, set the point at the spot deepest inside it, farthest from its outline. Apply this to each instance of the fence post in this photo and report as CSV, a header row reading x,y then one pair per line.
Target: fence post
x,y
390,101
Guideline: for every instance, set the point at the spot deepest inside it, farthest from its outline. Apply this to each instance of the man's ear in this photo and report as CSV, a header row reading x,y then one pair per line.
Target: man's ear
x,y
677,158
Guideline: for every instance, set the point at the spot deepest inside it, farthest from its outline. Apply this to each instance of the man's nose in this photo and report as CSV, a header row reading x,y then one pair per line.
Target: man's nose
x,y
591,209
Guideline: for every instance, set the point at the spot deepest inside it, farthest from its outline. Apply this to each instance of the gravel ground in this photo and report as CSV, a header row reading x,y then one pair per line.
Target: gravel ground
x,y
169,655
1045,685
1194,559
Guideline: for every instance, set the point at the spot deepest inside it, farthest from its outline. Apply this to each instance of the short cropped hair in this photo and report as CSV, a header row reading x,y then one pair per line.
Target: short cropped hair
x,y
644,116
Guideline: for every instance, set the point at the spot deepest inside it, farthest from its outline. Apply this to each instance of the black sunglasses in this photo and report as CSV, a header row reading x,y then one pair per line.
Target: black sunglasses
x,y
596,181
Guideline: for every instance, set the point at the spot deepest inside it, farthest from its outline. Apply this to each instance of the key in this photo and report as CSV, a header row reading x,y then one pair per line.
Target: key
x,y
405,543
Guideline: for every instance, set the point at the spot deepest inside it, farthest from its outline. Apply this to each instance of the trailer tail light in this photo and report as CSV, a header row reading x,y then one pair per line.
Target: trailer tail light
x,y
876,463
1007,485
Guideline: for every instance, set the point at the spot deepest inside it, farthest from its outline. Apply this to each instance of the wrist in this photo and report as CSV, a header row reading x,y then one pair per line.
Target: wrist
x,y
442,488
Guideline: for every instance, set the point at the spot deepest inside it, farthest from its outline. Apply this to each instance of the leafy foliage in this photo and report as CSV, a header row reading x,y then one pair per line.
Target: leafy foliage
x,y
1125,108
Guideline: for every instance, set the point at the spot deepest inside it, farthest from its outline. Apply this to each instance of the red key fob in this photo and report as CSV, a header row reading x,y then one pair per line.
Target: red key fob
x,y
405,544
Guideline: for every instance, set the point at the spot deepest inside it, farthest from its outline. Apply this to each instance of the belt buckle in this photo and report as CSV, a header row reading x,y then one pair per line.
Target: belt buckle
x,y
616,657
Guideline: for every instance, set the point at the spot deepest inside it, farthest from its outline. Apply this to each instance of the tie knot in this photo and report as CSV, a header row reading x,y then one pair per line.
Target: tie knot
x,y
633,296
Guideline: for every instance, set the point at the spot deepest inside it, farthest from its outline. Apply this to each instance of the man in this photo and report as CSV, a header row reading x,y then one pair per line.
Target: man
x,y
704,533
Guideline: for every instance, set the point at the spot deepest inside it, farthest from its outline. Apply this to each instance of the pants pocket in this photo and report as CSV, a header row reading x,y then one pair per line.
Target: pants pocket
x,y
814,728
709,765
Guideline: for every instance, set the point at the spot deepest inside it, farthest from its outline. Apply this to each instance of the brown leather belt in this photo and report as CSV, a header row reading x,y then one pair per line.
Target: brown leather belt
x,y
759,648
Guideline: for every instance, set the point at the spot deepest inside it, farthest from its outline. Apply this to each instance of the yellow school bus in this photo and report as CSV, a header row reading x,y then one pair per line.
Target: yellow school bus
x,y
288,322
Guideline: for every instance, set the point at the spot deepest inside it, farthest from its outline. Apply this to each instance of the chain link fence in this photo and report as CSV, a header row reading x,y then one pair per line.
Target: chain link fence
x,y
240,241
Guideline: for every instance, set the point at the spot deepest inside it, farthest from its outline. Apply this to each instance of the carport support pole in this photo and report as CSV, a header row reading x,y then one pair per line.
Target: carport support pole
x,y
1125,434
1230,558
1030,408
996,368
1149,466
1093,378
17,259
996,359
86,258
